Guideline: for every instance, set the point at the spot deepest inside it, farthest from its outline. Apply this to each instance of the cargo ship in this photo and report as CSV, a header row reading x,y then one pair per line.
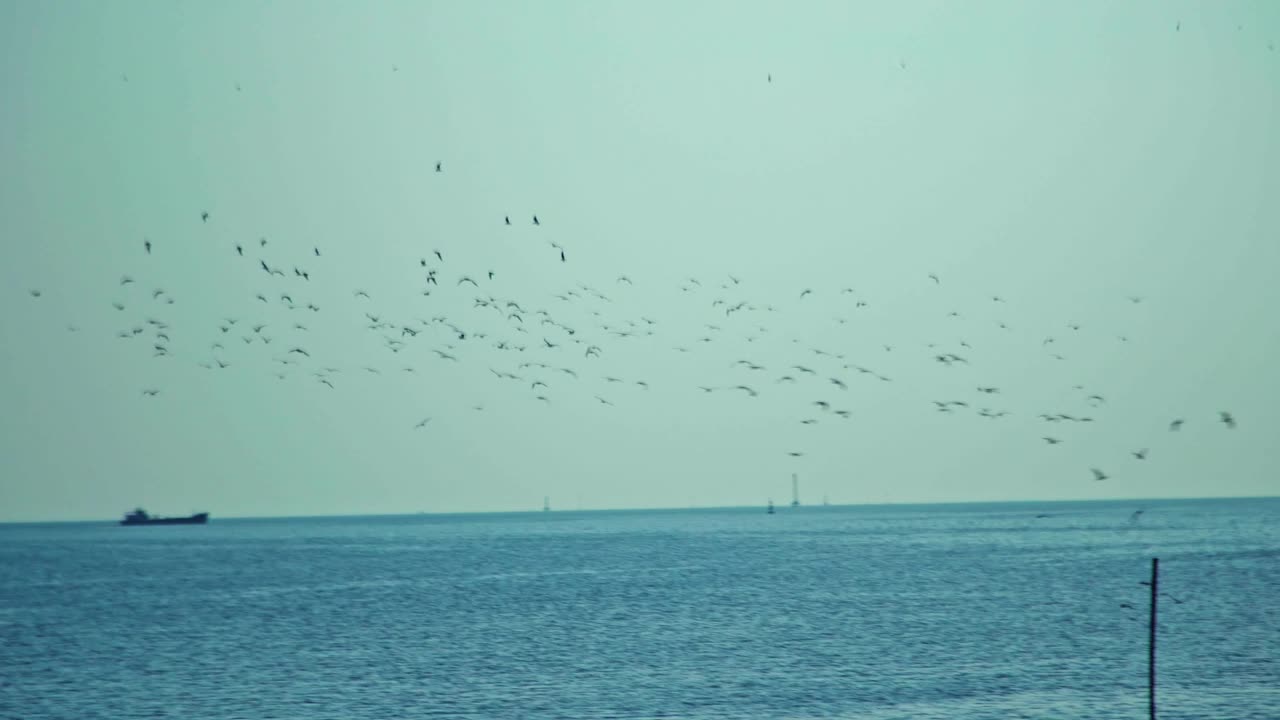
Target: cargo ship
x,y
140,517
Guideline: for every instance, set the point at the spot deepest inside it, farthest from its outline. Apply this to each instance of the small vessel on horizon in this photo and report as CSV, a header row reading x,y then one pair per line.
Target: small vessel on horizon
x,y
140,517
770,510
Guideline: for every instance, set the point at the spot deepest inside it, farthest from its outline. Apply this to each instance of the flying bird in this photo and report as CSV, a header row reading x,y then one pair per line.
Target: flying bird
x,y
1227,420
204,216
1140,454
1176,425
935,279
422,423
147,244
1098,475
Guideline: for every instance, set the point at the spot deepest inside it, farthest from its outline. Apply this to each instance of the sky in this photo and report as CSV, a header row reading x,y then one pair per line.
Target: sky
x,y
1108,166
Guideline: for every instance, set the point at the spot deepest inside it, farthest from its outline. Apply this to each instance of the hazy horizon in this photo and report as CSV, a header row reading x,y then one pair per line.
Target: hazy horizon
x,y
1108,171
782,506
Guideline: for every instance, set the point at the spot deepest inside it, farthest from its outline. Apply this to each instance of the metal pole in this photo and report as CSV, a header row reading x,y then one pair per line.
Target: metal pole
x,y
1151,646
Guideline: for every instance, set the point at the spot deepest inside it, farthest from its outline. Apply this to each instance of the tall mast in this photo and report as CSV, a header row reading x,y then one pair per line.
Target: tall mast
x,y
795,491
546,503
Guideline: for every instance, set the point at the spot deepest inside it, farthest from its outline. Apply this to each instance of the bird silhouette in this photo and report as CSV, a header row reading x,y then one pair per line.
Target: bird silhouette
x,y
1176,425
147,244
1227,420
1098,475
204,216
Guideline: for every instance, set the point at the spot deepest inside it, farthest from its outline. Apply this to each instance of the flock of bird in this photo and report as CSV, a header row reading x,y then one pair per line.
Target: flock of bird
x,y
541,343
539,348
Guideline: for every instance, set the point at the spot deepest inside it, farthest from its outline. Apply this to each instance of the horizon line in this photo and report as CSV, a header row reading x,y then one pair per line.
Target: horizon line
x,y
688,508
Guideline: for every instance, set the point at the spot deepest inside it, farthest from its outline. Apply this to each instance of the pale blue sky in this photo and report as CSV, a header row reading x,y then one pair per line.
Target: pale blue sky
x,y
1063,156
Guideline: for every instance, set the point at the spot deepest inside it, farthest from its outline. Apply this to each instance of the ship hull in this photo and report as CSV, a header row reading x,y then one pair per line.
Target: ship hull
x,y
199,519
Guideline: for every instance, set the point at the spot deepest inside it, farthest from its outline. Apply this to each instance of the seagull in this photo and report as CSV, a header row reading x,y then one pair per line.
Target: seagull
x,y
1052,440
204,216
1176,425
240,250
506,219
438,255
147,244
317,251
438,167
422,423
1140,454
1098,474
935,279
125,280
36,293
796,454
1227,420
535,220
150,392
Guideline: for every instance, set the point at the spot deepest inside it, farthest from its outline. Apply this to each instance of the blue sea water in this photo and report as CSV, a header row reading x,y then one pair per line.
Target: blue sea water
x,y
960,611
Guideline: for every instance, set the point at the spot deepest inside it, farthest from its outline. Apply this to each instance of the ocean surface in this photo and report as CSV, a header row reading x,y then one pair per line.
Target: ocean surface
x,y
945,611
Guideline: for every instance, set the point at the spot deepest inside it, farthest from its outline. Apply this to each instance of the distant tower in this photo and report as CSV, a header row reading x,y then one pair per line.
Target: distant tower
x,y
546,504
795,491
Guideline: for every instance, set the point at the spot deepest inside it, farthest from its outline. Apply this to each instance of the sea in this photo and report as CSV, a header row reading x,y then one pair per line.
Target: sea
x,y
976,611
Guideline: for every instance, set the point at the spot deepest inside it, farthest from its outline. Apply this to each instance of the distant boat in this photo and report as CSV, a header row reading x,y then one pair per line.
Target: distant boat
x,y
140,517
770,510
